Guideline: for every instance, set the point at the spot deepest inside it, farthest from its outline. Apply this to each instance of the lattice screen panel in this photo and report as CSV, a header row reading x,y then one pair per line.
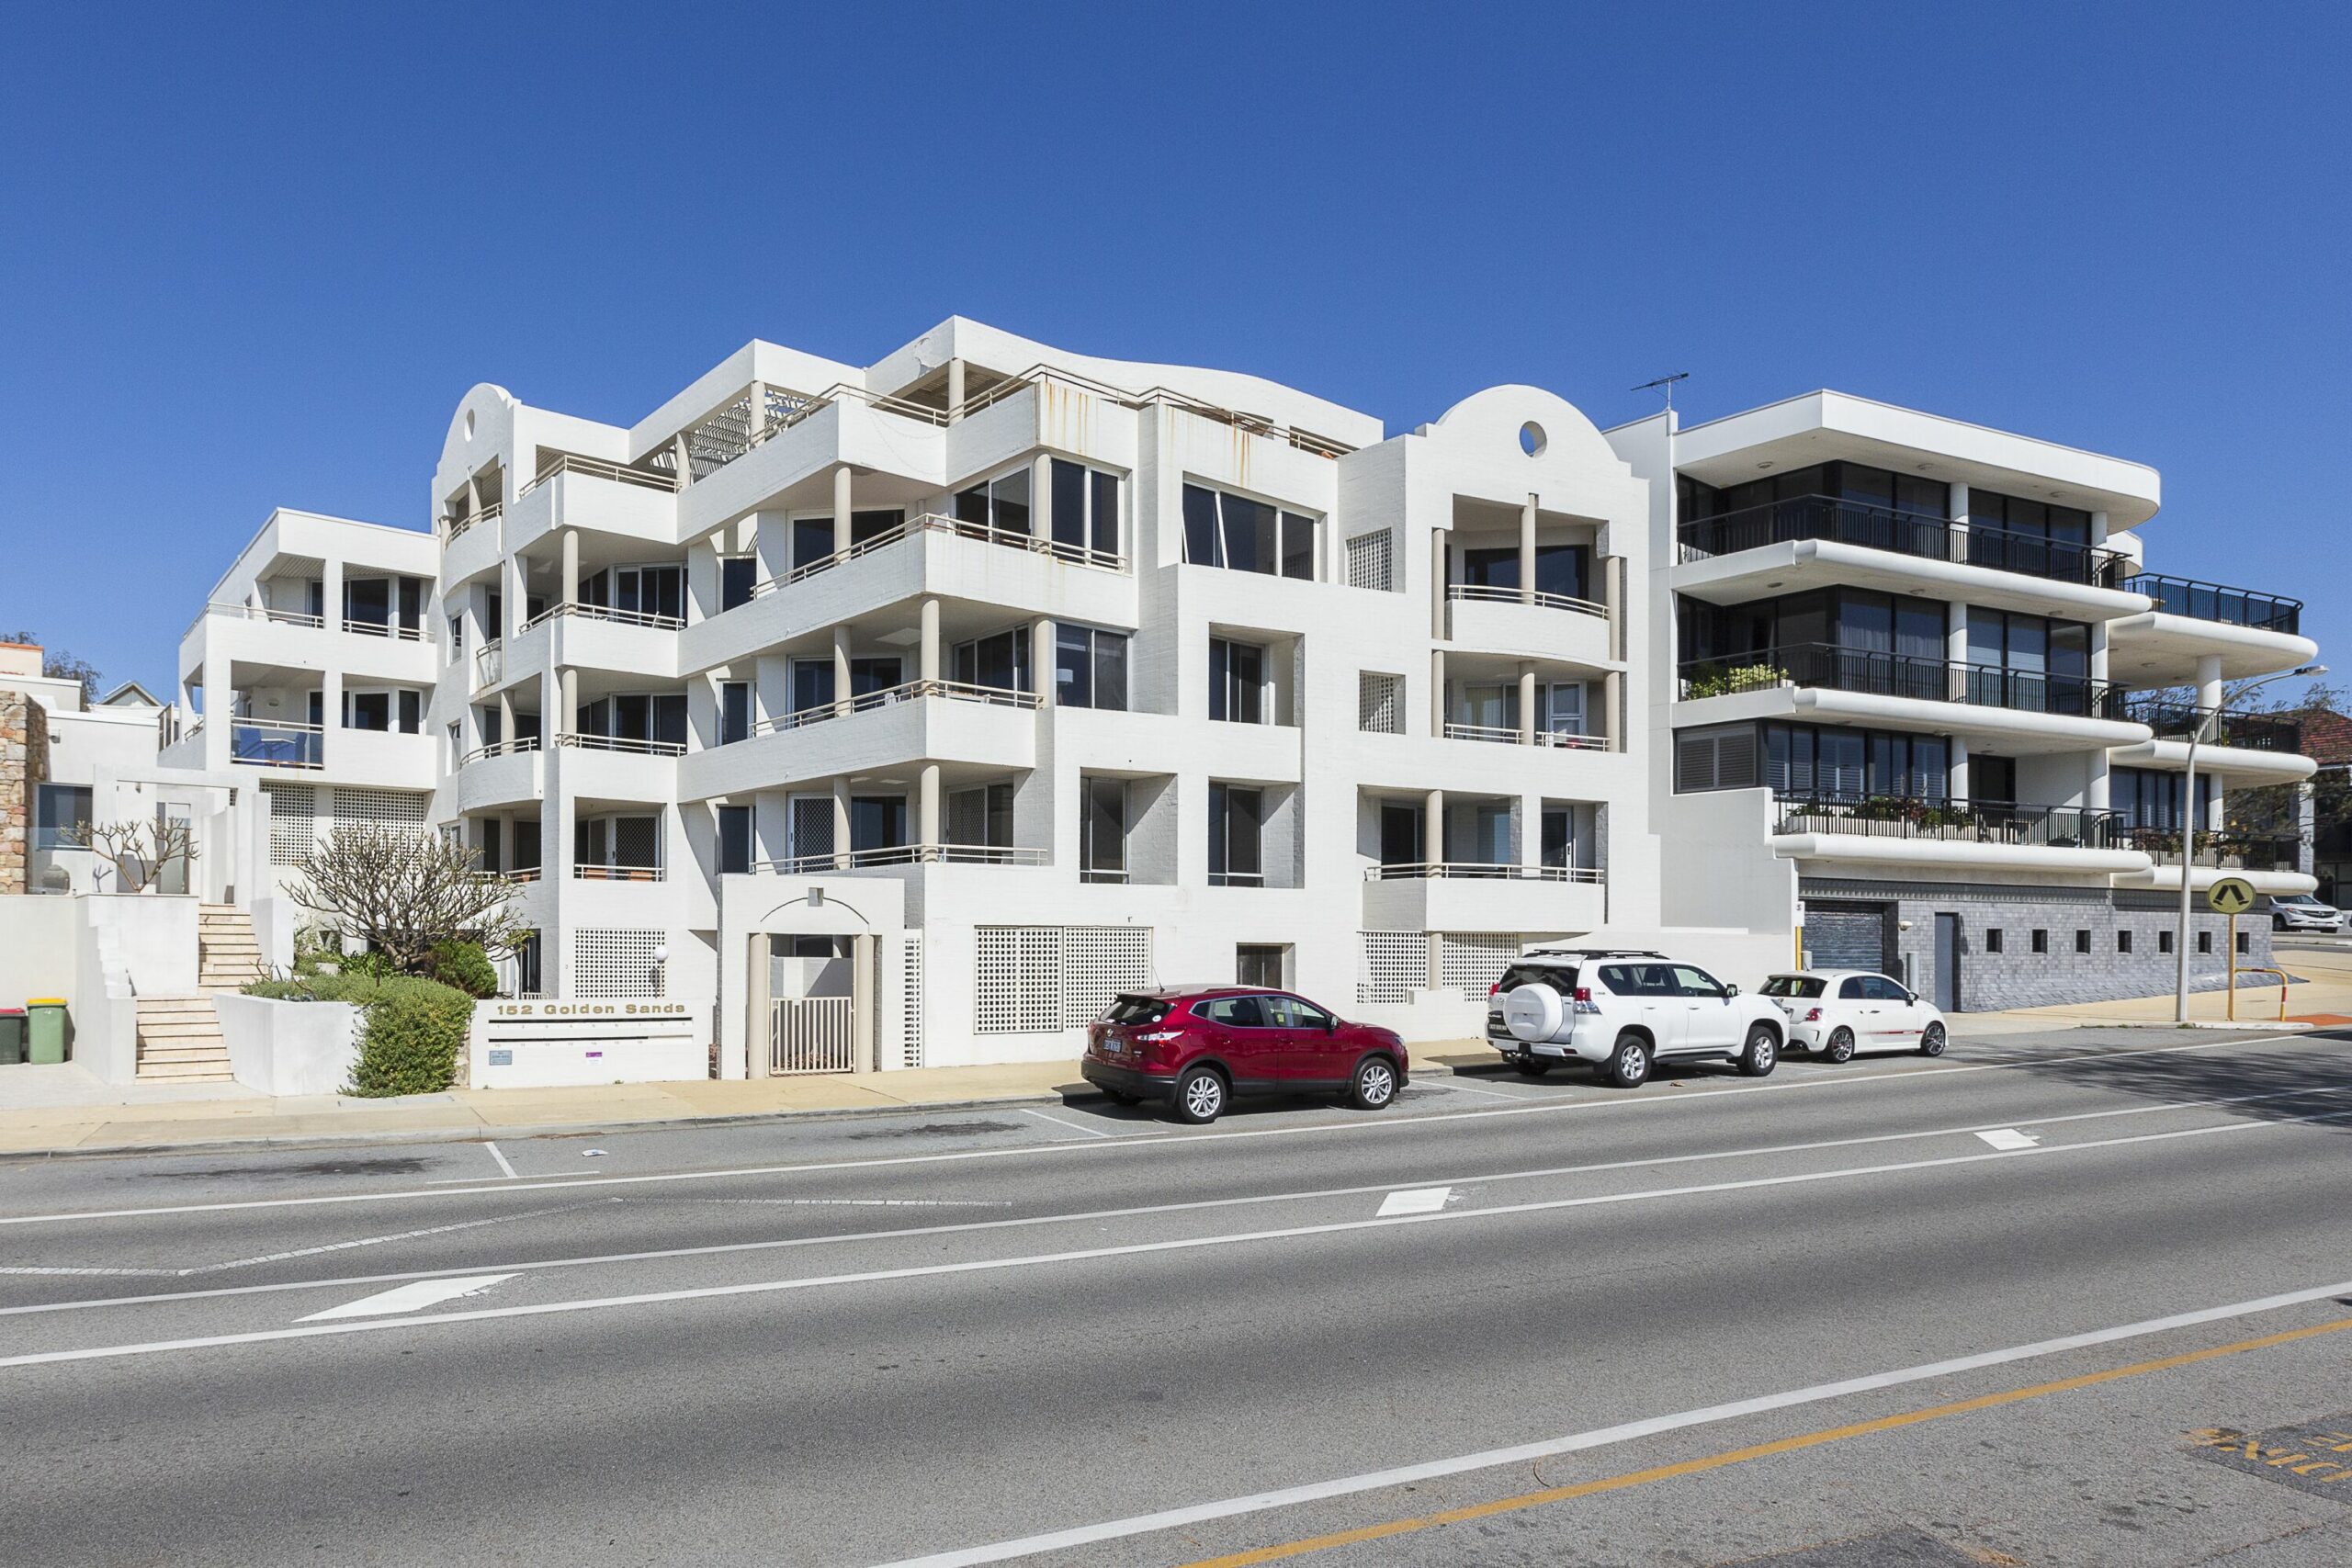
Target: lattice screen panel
x,y
1395,964
911,1003
606,963
378,809
812,826
1097,963
293,821
1472,961
1380,703
1371,562
1041,977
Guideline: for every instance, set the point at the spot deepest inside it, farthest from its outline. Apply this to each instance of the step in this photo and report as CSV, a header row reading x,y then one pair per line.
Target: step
x,y
216,1057
178,1007
190,1071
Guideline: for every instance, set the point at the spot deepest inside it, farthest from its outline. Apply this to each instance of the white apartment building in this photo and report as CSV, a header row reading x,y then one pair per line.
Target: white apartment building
x,y
900,714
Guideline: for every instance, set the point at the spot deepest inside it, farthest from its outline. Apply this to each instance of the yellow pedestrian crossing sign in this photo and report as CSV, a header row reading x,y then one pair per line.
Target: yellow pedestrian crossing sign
x,y
2231,895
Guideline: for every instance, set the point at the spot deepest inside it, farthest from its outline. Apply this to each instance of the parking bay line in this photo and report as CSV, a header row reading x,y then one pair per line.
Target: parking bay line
x,y
1098,1215
1130,1249
1153,1139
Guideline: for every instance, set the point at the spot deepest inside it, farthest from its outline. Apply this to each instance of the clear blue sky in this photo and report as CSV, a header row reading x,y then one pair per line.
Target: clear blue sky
x,y
252,258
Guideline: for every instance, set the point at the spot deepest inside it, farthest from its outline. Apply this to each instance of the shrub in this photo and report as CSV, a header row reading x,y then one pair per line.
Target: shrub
x,y
464,965
412,1031
367,966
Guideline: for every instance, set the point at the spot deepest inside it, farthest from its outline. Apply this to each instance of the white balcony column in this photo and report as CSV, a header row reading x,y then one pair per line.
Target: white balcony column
x,y
1527,552
331,698
1041,498
570,567
331,595
551,704
1437,693
568,709
1530,831
2306,824
2209,681
841,669
1959,510
1956,757
1434,826
841,534
955,390
927,659
1438,568
1613,594
681,459
1041,661
1612,711
1526,702
927,814
506,717
841,822
755,411
513,596
1956,634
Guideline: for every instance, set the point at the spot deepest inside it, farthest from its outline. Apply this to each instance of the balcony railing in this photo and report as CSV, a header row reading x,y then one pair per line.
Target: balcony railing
x,y
262,612
607,613
1903,675
513,747
2176,720
935,523
2220,851
517,874
1508,735
2214,602
1484,593
619,874
555,463
455,527
953,691
906,854
1249,424
489,664
1417,870
276,743
1903,533
624,743
359,626
1950,821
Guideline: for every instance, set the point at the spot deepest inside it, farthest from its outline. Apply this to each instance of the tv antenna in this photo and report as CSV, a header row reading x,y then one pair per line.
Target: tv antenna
x,y
1667,384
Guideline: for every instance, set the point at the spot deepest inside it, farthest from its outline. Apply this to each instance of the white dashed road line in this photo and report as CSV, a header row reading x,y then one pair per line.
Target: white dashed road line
x,y
411,1298
2009,1138
1415,1201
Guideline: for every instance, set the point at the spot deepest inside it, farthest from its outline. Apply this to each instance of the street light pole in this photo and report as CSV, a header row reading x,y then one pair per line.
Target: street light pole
x,y
2188,833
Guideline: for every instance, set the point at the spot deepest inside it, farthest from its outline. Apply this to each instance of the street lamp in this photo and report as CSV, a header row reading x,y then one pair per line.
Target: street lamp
x,y
2189,832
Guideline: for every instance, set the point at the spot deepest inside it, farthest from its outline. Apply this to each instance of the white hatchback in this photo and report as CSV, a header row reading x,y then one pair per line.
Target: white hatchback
x,y
1837,1013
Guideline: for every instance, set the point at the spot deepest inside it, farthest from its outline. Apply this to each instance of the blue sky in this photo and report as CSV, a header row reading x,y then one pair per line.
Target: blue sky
x,y
252,258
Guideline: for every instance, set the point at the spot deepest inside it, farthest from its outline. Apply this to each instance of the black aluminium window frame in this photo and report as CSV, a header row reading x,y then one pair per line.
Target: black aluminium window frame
x,y
1223,799
734,838
1091,666
1209,534
1094,491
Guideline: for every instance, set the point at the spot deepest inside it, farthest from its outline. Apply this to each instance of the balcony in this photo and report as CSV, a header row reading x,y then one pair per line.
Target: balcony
x,y
1918,535
489,664
607,613
933,522
2174,720
904,855
2198,600
276,743
1537,626
1980,834
866,701
1904,677
513,747
2269,862
619,874
454,528
629,744
1473,896
1560,740
597,469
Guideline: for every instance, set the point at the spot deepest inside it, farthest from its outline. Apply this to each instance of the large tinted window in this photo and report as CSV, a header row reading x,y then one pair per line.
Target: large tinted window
x,y
1242,1013
1136,1009
1793,986
1519,975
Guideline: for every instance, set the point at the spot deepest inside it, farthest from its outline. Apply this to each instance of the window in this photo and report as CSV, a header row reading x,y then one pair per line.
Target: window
x,y
656,718
734,711
1261,963
456,637
734,838
2164,942
1715,759
812,538
2082,941
1563,569
1693,982
1793,986
2123,940
2041,941
877,822
655,591
457,733
811,825
1000,661
1102,830
736,576
1287,1012
1090,667
981,817
2150,800
1805,761
2204,941
998,506
1235,816
619,847
812,685
2245,941
367,710
1380,703
62,810
1559,842
1234,1012
1086,508
1993,939
1237,681
2017,535
1852,989
1232,531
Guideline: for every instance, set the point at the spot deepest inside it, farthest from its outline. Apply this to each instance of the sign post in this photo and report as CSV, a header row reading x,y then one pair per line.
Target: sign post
x,y
2232,895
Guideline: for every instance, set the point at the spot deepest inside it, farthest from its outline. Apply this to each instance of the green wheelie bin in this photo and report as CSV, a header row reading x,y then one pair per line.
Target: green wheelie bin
x,y
48,1032
12,1036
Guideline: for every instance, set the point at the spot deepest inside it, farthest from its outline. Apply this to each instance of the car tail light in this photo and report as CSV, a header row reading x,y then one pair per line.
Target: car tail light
x,y
1584,993
1494,989
1813,1015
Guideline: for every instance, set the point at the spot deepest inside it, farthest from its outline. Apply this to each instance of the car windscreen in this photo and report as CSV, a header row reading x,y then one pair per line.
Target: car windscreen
x,y
1793,986
1519,975
1136,1009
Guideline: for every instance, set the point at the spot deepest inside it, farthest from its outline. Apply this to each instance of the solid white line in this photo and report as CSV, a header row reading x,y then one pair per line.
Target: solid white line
x,y
1130,1249
1088,1216
503,1164
1067,1126
411,1298
1457,1086
1550,1448
1161,1140
1415,1201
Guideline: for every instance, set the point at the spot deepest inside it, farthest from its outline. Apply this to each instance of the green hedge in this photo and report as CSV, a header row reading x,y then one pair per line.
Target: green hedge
x,y
413,1030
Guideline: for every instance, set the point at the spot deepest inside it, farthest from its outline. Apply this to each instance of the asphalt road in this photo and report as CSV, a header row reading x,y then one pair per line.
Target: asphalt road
x,y
2062,1300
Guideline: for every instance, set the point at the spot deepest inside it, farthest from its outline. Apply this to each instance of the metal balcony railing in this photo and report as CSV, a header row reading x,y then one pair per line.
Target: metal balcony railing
x,y
1419,871
624,743
2176,720
1903,533
516,746
555,463
453,528
1902,675
489,664
953,691
1485,594
2220,851
1508,735
907,854
607,613
2216,601
619,874
1949,821
936,522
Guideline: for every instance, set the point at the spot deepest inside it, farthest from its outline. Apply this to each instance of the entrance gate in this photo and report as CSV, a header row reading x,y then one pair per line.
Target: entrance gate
x,y
812,1034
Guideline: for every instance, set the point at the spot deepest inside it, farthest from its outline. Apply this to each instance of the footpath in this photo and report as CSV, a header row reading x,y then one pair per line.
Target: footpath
x,y
62,1110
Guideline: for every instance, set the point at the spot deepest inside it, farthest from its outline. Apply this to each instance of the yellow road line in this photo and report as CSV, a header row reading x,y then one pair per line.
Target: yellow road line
x,y
1740,1456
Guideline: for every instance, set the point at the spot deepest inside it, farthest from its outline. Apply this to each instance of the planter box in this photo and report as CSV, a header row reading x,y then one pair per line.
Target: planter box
x,y
283,1049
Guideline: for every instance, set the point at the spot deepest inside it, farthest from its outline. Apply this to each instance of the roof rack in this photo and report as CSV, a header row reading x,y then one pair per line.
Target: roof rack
x,y
1592,952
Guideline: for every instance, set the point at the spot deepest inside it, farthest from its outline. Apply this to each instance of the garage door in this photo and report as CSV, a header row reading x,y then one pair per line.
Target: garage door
x,y
1850,938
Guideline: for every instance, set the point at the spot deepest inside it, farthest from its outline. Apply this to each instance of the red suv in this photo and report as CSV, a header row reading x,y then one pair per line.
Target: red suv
x,y
1196,1049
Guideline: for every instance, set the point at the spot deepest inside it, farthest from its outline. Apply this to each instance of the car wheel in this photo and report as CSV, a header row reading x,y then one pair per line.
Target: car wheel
x,y
1762,1054
1534,1067
1375,1085
1200,1096
1841,1046
1931,1040
1629,1064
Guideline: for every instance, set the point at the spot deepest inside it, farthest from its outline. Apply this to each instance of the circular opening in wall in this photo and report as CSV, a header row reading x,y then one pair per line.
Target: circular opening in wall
x,y
469,424
1531,439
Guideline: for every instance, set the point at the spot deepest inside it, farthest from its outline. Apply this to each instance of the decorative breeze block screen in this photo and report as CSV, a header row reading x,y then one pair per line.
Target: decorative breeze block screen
x,y
911,1003
1395,964
1472,961
616,963
379,808
1031,978
293,821
1380,703
1370,562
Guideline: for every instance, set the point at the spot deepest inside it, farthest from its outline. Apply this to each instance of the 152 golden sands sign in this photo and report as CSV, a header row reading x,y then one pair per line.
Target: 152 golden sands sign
x,y
591,1009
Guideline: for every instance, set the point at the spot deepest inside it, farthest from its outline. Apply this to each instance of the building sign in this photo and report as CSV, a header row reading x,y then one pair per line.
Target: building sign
x,y
597,1007
589,1040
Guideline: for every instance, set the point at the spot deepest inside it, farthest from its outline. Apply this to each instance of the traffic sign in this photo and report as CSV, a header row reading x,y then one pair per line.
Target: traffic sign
x,y
2231,895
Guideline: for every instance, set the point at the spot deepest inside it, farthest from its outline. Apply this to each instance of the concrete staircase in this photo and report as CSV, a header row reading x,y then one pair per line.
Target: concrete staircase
x,y
227,957
179,1038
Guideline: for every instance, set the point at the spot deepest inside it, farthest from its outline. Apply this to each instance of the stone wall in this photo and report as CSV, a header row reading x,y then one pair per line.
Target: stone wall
x,y
24,763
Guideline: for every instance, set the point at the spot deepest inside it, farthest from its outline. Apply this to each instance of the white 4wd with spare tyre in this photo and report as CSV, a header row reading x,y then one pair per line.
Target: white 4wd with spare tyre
x,y
1624,1011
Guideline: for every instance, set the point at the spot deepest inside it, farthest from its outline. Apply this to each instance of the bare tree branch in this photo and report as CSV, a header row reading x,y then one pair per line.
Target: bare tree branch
x,y
406,893
142,854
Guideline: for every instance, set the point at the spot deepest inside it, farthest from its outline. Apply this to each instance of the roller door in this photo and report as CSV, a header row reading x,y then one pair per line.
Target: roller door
x,y
1847,937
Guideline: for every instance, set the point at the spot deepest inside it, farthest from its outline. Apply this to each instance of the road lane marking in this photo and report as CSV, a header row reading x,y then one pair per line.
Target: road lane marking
x,y
1455,1085
1415,1201
1067,1126
1096,1215
505,1165
322,1247
2009,1138
1162,1140
1130,1249
413,1297
1803,1440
